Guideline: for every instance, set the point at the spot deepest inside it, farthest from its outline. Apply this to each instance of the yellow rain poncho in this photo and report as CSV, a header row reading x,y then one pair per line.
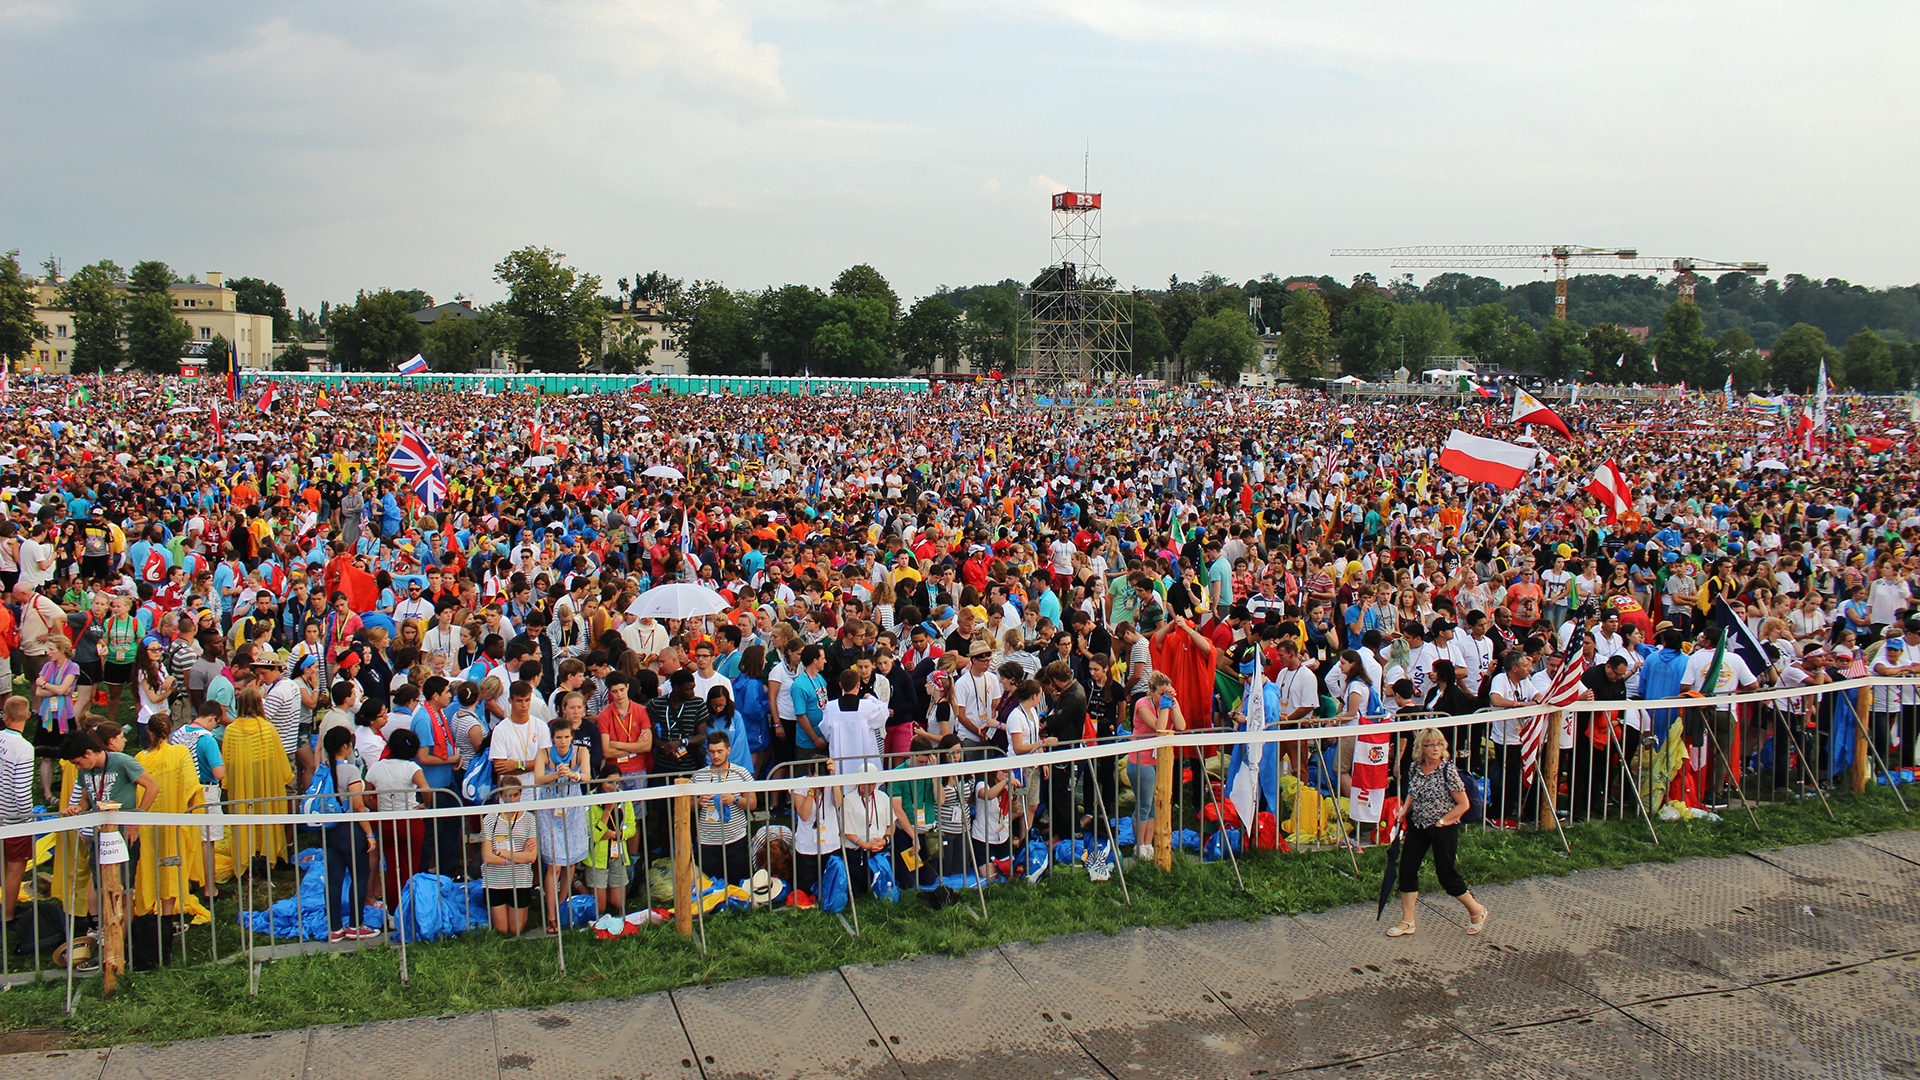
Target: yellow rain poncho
x,y
170,855
257,768
70,858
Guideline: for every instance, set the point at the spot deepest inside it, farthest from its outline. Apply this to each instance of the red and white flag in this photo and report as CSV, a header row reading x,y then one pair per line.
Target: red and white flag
x,y
218,433
1609,487
1487,461
1372,772
536,433
1564,691
1528,409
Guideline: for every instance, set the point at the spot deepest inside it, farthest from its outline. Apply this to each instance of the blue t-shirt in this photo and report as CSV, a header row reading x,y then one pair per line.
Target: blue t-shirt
x,y
439,776
206,757
805,695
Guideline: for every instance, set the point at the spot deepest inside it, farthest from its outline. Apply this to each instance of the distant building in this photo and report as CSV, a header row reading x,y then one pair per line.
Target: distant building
x,y
649,319
208,308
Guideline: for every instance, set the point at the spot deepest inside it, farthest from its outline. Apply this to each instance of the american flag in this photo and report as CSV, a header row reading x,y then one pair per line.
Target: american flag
x,y
417,464
1564,691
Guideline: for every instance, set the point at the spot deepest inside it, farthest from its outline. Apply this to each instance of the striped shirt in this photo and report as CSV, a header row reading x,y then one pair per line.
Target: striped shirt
x,y
286,713
16,778
506,837
722,824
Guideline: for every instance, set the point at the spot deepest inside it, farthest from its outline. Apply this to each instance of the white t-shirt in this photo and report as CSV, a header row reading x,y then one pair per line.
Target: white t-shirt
x,y
852,734
519,742
32,553
979,696
1297,690
819,834
1733,677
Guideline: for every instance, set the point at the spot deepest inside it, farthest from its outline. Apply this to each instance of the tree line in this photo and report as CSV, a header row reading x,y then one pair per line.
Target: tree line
x,y
1770,334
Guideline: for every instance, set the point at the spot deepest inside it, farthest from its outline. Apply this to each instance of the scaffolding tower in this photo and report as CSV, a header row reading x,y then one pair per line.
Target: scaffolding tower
x,y
1077,326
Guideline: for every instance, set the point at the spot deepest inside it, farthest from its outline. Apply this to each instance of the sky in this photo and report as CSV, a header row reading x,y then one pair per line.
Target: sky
x,y
349,145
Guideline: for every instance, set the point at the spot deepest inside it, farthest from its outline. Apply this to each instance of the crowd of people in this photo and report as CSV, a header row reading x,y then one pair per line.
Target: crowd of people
x,y
275,614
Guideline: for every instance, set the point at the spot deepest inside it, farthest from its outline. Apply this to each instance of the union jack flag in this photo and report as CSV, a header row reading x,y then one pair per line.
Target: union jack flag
x,y
417,464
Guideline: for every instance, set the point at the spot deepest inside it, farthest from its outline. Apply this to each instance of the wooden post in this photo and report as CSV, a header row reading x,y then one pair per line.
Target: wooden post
x,y
1550,771
1163,838
683,861
113,912
1862,750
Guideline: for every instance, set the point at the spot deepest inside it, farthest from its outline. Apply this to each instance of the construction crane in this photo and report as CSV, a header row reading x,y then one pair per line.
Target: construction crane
x,y
1556,258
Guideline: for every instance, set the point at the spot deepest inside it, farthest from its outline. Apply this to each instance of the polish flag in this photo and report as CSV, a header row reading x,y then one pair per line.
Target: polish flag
x,y
1487,461
1609,486
1528,409
536,433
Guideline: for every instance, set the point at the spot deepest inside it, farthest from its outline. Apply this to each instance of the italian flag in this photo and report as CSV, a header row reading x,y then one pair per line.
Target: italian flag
x,y
1487,461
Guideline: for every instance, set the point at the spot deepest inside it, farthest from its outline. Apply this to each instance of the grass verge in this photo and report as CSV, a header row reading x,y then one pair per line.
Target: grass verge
x,y
485,972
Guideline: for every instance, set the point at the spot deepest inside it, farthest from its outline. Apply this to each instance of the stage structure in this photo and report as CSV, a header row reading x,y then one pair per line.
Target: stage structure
x,y
1077,326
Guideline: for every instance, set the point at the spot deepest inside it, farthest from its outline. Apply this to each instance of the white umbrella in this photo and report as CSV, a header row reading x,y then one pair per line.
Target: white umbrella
x,y
664,472
370,406
677,601
539,462
246,436
1764,424
1896,431
42,411
9,460
1772,463
181,410
321,412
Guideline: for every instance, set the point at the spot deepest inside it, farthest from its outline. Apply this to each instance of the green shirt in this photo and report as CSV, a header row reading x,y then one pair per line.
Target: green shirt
x,y
916,800
116,781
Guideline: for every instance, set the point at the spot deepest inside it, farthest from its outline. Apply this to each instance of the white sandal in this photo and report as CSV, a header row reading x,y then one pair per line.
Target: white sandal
x,y
1403,929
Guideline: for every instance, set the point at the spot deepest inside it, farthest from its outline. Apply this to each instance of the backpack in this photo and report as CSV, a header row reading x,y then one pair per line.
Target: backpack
x,y
323,795
1476,797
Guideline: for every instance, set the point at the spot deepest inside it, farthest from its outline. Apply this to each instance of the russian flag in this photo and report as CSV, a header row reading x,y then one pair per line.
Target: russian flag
x,y
415,366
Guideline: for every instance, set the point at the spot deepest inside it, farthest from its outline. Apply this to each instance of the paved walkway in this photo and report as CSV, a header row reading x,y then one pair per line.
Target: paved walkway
x,y
1794,963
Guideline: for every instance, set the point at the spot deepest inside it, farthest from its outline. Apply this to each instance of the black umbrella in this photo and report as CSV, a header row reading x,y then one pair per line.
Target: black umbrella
x,y
1387,878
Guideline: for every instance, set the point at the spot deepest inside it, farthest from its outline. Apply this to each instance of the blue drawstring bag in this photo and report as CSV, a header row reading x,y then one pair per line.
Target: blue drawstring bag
x,y
434,906
1186,840
965,880
884,887
1215,850
476,785
1123,832
832,895
1067,851
1032,861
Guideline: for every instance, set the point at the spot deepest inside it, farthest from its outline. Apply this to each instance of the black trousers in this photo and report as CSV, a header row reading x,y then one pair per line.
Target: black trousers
x,y
1444,842
725,862
1099,777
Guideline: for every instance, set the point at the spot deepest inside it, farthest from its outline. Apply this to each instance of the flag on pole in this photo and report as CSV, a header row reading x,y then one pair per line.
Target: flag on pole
x,y
1653,361
265,402
1573,398
536,433
416,365
1528,409
219,432
1609,488
413,458
233,384
1564,690
321,399
1372,764
1247,781
1487,461
1622,361
1820,398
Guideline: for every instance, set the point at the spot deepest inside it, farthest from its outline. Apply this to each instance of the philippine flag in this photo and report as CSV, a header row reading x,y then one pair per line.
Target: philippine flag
x,y
416,366
1528,409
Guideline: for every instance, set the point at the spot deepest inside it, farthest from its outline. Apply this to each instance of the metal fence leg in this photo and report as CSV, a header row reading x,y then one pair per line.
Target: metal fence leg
x,y
1784,722
1220,819
1100,808
1628,780
1540,778
1713,740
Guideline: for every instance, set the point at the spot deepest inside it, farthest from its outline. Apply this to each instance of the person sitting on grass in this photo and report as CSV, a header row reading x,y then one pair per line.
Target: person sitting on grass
x,y
507,863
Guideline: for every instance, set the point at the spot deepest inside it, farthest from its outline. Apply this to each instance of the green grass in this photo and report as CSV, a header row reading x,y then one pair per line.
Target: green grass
x,y
483,971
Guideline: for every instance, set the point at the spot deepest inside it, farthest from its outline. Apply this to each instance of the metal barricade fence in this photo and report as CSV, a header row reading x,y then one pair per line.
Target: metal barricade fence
x,y
1768,746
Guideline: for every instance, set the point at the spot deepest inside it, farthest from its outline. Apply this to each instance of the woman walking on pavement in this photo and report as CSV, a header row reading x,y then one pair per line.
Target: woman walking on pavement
x,y
1436,801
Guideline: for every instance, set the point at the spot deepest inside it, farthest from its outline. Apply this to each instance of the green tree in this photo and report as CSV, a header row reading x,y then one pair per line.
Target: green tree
x,y
863,282
1222,345
854,338
1797,353
1618,356
1306,339
552,311
155,335
930,333
1868,363
253,296
455,345
416,299
1683,348
92,297
1149,337
291,357
1424,331
1559,352
1735,353
1178,311
785,321
374,333
991,333
1368,344
18,328
719,338
219,355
